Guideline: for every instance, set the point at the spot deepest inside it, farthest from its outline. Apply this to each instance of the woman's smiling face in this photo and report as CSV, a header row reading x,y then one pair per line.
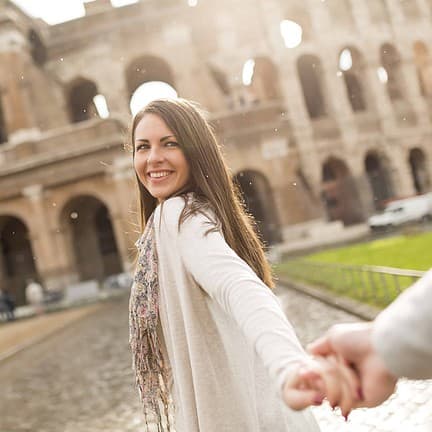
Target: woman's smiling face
x,y
159,162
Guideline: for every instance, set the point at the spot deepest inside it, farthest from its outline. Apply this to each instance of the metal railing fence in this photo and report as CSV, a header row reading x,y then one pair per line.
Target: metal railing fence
x,y
371,284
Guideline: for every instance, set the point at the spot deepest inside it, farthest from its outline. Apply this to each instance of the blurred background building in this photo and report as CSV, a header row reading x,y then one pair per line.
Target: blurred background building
x,y
323,109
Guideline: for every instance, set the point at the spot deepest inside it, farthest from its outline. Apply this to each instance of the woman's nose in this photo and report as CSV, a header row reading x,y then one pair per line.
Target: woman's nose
x,y
155,155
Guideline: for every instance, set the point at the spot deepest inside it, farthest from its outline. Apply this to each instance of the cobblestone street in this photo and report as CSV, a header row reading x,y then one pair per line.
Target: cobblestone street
x,y
80,379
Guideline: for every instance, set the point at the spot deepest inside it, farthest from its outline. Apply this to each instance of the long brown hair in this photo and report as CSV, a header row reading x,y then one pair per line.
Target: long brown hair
x,y
210,181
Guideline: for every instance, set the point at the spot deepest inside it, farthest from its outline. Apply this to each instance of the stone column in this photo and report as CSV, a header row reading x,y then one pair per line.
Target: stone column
x,y
18,114
412,89
320,17
124,219
396,15
408,73
360,14
300,123
383,105
49,259
362,183
403,182
112,85
301,129
337,99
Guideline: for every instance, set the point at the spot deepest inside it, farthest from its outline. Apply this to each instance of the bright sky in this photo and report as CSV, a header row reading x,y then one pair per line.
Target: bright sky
x,y
55,11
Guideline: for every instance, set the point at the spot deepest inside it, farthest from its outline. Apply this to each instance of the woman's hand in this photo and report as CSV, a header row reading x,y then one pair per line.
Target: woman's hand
x,y
321,378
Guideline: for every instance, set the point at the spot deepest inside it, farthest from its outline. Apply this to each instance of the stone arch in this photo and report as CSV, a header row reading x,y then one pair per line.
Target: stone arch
x,y
378,11
423,64
80,94
419,170
355,79
339,192
340,12
148,77
310,73
17,263
38,50
258,198
378,173
145,69
87,225
391,62
264,85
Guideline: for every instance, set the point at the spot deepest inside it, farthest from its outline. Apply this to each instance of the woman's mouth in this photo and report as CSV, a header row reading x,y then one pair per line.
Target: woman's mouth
x,y
156,176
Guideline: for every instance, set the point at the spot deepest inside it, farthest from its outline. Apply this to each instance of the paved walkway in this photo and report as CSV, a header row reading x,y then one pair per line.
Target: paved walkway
x,y
19,334
79,379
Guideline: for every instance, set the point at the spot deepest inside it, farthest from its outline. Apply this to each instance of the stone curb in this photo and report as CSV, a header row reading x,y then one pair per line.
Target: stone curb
x,y
354,307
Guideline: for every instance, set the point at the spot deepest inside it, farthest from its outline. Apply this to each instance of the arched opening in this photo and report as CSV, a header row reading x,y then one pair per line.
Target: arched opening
x,y
340,12
424,68
297,26
261,79
258,198
37,48
379,179
410,9
17,263
339,193
148,92
309,70
391,65
291,32
3,131
419,170
89,230
378,11
80,95
148,78
351,65
220,80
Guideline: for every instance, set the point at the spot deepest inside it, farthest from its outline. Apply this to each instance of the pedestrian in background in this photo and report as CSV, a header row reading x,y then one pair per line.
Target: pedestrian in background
x,y
34,295
206,331
7,305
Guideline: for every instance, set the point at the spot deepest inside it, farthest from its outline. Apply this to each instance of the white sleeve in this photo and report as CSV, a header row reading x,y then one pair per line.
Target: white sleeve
x,y
402,333
230,282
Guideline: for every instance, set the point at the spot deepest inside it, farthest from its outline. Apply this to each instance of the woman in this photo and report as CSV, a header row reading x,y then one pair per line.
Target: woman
x,y
201,310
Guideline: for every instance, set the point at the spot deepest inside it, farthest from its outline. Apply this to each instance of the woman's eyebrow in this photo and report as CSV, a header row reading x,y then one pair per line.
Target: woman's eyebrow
x,y
161,140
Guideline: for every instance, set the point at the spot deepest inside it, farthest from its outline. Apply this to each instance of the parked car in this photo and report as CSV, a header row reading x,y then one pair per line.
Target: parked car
x,y
415,209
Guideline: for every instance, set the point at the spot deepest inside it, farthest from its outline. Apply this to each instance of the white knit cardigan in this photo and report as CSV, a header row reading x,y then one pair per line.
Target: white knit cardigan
x,y
228,342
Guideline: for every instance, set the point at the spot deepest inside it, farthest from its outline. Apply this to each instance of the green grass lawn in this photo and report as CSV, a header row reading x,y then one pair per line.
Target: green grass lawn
x,y
413,252
404,251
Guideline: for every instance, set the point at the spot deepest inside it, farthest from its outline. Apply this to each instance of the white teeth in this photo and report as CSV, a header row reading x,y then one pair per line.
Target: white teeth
x,y
159,174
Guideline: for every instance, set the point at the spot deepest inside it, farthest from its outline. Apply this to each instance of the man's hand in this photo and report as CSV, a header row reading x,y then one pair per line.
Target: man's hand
x,y
352,343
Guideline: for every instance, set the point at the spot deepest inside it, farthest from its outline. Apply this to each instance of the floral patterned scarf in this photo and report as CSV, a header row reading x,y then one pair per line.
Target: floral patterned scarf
x,y
147,357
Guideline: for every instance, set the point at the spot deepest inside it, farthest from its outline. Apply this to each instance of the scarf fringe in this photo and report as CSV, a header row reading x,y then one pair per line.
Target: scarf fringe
x,y
151,373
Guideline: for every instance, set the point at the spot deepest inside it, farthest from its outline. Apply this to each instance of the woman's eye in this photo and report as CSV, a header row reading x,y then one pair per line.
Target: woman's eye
x,y
142,147
172,144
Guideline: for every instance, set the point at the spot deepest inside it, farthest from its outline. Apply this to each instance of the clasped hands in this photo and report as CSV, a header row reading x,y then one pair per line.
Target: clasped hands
x,y
345,370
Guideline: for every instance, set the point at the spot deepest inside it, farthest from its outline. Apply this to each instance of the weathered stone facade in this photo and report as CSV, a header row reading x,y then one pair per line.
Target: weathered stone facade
x,y
309,137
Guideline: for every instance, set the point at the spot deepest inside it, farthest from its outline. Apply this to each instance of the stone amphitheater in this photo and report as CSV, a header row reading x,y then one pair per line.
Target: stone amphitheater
x,y
323,109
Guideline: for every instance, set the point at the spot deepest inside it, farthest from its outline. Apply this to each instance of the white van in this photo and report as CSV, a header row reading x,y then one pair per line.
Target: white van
x,y
418,208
